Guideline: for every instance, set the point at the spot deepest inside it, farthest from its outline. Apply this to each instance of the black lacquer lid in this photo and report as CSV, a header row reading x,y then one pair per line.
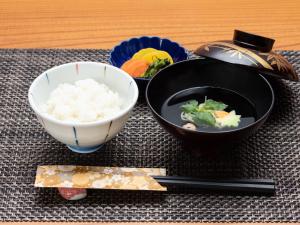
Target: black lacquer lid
x,y
250,50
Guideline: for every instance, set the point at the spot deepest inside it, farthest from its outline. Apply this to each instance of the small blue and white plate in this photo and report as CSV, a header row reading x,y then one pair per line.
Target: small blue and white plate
x,y
126,49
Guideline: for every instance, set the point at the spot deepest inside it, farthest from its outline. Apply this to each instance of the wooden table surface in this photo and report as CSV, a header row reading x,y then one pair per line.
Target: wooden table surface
x,y
103,23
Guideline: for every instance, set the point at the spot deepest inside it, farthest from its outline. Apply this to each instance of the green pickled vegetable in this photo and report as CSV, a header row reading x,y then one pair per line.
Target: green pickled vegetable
x,y
156,66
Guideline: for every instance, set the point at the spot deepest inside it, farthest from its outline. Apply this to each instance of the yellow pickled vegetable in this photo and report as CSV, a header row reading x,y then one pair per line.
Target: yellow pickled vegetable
x,y
142,52
154,55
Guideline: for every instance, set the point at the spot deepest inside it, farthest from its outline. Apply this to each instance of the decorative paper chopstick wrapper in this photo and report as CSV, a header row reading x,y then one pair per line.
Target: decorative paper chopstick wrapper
x,y
73,180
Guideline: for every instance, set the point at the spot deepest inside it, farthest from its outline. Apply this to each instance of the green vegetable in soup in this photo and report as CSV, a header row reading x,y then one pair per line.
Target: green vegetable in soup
x,y
204,118
190,107
212,105
209,113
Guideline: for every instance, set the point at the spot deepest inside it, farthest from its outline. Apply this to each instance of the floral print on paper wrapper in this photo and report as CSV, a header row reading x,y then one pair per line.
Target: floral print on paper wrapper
x,y
95,177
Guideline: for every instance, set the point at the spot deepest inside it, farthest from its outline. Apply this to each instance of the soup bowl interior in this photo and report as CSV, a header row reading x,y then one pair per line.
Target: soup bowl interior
x,y
207,78
83,136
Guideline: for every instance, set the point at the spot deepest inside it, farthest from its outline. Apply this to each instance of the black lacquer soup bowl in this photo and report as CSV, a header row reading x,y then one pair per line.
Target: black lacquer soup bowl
x,y
244,90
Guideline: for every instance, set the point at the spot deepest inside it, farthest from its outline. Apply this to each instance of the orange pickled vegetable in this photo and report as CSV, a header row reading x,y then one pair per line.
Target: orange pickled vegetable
x,y
135,67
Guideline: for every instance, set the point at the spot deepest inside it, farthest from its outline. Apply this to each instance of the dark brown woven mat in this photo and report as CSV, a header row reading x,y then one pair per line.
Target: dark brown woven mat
x,y
272,152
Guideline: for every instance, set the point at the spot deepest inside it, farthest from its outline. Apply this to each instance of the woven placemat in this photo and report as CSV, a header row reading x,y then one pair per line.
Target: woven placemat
x,y
273,152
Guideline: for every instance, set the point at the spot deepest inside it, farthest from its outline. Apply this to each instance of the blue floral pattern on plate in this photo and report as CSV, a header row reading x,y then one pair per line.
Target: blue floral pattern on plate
x,y
126,49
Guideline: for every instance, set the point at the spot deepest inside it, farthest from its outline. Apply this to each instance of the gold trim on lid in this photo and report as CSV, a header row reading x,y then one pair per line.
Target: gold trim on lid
x,y
245,51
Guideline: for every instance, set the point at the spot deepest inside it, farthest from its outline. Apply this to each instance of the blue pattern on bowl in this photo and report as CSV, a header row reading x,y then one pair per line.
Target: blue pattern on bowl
x,y
78,149
126,49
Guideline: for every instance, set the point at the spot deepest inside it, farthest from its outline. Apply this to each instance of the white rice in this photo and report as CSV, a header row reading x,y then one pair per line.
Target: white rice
x,y
85,101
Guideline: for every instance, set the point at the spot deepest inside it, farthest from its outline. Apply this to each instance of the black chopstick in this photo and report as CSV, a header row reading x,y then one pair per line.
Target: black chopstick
x,y
254,186
243,181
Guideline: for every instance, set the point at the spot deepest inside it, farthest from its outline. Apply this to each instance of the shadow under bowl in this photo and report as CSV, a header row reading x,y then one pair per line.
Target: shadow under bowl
x,y
245,91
